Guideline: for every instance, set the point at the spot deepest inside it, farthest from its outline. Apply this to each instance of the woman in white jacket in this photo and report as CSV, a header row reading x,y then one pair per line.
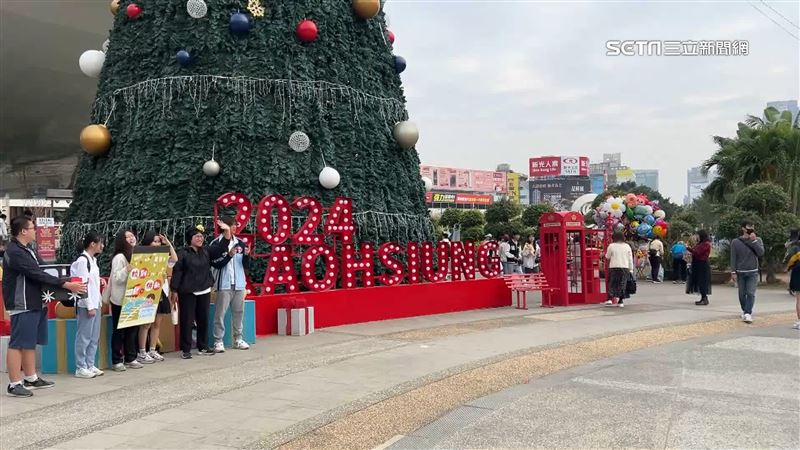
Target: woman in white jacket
x,y
123,341
88,310
619,257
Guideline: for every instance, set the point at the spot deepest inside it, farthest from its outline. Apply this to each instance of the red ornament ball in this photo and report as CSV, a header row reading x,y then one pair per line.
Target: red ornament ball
x,y
133,11
307,30
390,35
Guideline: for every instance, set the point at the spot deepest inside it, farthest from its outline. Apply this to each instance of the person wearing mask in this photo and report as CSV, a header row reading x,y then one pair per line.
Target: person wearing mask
x,y
88,312
745,251
23,280
230,258
678,262
151,330
655,251
701,270
530,255
191,284
123,340
619,258
792,261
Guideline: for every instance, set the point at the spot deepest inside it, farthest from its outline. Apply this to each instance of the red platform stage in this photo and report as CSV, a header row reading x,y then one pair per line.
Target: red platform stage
x,y
348,306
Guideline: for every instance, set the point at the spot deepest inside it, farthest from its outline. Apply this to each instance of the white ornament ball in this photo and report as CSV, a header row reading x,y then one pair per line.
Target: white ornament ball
x,y
329,178
197,9
105,46
428,183
211,168
406,134
91,62
299,141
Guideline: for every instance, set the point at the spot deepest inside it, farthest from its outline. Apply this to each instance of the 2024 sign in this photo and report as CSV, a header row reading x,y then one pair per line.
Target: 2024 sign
x,y
346,265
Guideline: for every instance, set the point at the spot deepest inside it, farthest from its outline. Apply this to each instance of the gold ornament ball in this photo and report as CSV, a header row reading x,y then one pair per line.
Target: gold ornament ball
x,y
367,9
64,312
114,7
96,139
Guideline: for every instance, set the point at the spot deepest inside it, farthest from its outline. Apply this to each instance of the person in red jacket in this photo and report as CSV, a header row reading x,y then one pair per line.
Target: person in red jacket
x,y
701,271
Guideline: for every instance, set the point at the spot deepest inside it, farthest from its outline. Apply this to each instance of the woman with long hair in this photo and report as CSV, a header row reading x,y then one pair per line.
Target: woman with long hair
x,y
123,341
700,280
530,255
152,330
619,256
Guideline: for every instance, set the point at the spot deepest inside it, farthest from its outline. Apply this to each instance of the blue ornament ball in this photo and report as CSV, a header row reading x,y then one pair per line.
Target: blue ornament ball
x,y
399,64
240,24
184,58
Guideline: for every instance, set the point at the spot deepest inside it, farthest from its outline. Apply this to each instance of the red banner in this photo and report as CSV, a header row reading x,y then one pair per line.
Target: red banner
x,y
459,199
46,243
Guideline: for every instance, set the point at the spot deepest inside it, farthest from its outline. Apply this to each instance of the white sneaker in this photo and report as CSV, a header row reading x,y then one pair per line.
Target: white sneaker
x,y
144,358
134,365
621,305
742,316
119,367
155,355
97,372
241,345
608,302
219,347
748,318
84,373
796,325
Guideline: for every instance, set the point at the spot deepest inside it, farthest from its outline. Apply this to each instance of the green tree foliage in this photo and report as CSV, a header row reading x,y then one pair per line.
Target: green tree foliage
x,y
679,230
764,150
450,217
472,218
532,214
502,211
474,234
763,198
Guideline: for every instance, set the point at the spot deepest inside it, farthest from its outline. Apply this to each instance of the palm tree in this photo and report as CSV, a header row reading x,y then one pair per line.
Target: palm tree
x,y
763,150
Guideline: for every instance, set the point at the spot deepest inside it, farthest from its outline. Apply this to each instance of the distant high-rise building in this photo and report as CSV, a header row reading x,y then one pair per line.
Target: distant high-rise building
x,y
696,182
786,105
647,178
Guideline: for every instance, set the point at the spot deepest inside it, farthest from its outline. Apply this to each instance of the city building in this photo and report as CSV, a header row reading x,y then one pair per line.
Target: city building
x,y
647,178
517,185
696,182
786,105
464,188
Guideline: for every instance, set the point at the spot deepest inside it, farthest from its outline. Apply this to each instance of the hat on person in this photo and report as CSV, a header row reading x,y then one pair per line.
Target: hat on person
x,y
191,231
488,236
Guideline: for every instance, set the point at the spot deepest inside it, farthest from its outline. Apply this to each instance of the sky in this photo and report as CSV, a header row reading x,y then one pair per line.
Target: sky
x,y
490,82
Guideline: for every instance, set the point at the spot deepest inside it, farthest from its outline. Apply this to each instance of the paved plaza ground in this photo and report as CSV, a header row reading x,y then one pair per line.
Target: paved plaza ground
x,y
660,373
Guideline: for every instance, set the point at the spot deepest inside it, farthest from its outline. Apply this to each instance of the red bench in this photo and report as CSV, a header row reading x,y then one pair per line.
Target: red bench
x,y
521,284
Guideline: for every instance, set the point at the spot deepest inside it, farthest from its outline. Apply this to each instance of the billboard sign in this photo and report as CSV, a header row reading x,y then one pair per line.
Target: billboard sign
x,y
560,193
458,199
466,180
625,175
513,187
598,184
554,166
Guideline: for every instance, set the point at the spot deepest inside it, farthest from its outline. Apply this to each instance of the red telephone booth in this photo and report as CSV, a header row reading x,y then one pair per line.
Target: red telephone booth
x,y
571,260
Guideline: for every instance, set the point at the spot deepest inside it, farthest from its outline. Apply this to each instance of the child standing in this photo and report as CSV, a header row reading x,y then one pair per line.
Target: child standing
x,y
88,310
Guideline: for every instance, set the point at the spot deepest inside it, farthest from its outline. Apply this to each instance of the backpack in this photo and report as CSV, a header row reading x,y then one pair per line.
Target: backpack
x,y
71,301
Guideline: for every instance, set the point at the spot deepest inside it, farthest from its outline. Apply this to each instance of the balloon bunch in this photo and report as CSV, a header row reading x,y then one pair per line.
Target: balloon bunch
x,y
633,214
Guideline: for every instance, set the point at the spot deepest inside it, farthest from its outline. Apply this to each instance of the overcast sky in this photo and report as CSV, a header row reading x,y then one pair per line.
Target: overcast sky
x,y
501,81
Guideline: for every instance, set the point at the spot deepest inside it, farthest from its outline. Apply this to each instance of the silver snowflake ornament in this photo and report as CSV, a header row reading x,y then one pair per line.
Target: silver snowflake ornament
x,y
48,296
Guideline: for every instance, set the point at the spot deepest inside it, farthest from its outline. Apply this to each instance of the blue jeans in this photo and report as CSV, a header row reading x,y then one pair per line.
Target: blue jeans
x,y
747,283
86,338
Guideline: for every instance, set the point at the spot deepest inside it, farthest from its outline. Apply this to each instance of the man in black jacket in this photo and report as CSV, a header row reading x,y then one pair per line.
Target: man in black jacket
x,y
22,295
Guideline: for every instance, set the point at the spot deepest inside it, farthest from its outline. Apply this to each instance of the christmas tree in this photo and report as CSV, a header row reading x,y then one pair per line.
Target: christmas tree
x,y
199,98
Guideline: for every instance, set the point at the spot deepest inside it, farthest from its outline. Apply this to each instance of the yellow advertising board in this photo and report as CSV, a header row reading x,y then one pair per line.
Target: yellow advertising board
x,y
145,284
513,187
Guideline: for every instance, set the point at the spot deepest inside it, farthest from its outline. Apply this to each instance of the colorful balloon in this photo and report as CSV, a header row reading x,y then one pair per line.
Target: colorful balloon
x,y
644,229
650,220
660,214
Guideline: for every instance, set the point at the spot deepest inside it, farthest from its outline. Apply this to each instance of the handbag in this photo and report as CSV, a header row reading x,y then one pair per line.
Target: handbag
x,y
174,314
630,285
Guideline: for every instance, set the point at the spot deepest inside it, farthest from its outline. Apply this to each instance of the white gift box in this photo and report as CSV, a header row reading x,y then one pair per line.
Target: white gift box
x,y
295,321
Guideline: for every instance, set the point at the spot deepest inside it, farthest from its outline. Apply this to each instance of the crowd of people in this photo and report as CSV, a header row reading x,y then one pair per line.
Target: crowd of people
x,y
193,272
